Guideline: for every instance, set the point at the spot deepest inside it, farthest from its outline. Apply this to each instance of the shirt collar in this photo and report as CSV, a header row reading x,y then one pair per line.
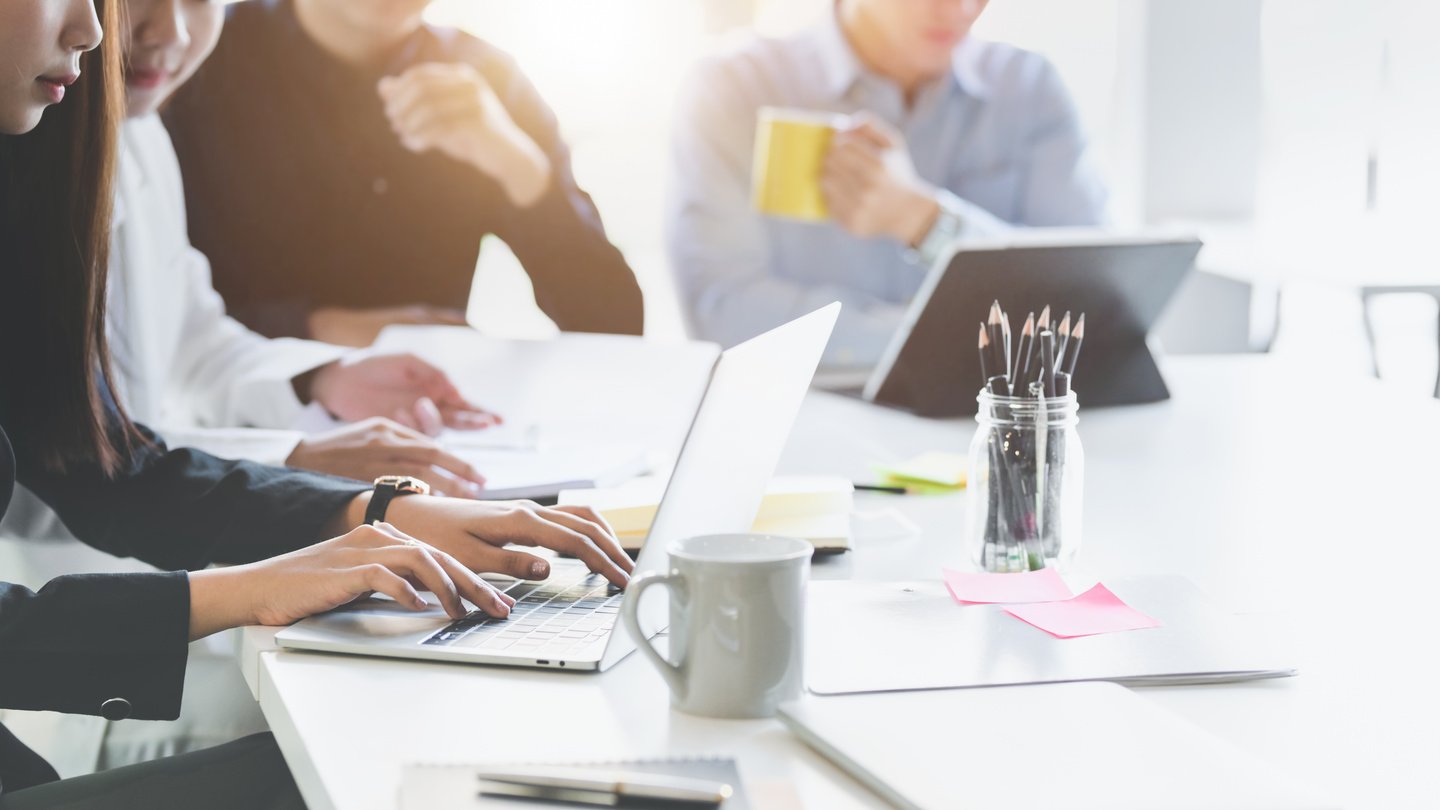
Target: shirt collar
x,y
842,67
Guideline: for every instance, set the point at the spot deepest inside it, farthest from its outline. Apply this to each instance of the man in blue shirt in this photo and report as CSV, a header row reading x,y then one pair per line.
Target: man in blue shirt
x,y
948,137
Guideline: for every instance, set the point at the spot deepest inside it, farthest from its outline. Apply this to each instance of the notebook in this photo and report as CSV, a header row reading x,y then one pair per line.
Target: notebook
x,y
889,636
426,786
545,472
812,507
1077,746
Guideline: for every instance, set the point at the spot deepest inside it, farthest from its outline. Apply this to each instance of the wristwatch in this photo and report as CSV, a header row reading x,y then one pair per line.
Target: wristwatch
x,y
949,225
387,489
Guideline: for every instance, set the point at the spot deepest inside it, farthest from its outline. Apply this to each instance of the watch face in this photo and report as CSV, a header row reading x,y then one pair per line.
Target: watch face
x,y
403,484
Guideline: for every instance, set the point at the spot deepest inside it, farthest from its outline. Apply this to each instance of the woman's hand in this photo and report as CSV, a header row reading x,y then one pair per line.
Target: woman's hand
x,y
370,559
398,386
476,533
374,447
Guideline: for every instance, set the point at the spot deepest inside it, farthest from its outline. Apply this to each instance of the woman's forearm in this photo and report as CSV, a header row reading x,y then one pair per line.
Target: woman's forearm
x,y
219,601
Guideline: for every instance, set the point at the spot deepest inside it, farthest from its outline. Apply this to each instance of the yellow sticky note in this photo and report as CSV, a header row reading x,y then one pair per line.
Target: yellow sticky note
x,y
935,468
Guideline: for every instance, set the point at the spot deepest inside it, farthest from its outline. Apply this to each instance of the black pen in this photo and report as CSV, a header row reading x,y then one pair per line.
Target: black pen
x,y
606,788
889,490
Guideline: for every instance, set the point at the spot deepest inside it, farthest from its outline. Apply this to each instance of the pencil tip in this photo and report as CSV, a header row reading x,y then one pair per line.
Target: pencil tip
x,y
1079,330
984,338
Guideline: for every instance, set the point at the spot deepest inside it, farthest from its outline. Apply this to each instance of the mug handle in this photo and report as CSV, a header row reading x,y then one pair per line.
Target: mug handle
x,y
629,611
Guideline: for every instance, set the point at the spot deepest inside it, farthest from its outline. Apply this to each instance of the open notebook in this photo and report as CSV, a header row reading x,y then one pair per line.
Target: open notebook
x,y
1076,746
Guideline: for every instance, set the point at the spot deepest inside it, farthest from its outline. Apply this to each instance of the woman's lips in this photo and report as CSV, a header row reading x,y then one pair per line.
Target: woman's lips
x,y
54,86
146,78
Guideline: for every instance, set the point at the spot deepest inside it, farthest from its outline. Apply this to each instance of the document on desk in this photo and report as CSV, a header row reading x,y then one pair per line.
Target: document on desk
x,y
1076,746
544,473
892,636
575,387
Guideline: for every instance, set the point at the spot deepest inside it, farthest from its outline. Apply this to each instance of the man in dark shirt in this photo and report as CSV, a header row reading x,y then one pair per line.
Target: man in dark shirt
x,y
343,160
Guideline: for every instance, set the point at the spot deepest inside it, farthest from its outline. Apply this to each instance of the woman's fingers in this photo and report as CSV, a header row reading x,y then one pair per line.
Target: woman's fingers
x,y
546,532
481,594
377,578
468,417
411,558
427,416
588,522
428,454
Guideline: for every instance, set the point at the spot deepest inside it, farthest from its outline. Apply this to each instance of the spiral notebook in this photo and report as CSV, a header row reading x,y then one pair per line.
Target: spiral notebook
x,y
435,786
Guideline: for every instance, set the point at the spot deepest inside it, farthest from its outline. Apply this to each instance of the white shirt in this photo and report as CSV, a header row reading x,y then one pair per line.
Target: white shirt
x,y
184,368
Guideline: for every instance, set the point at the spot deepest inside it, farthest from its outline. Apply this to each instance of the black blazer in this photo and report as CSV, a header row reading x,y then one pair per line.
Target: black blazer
x,y
115,644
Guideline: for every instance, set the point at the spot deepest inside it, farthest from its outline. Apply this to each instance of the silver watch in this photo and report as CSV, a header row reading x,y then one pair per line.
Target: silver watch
x,y
949,224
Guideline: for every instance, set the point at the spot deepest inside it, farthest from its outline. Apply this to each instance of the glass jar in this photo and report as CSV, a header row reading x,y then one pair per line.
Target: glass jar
x,y
1024,514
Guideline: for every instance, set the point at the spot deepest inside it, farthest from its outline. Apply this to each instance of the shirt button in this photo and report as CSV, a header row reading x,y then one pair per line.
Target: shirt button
x,y
115,709
381,185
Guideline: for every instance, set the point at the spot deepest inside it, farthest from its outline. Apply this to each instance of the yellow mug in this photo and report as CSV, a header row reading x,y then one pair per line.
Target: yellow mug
x,y
790,147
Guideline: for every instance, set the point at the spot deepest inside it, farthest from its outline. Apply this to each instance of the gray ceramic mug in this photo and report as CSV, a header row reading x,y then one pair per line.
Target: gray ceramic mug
x,y
737,623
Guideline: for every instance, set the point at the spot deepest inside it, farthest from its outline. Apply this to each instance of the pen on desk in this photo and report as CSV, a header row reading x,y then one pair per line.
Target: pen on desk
x,y
885,488
607,788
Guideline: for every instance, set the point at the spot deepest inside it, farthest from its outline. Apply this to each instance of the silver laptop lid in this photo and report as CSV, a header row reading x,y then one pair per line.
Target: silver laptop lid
x,y
734,443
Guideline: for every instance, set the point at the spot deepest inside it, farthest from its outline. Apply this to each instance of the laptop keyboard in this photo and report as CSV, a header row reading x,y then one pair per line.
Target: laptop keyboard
x,y
550,619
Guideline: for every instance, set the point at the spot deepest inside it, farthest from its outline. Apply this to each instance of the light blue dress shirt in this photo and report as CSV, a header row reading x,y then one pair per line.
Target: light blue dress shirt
x,y
998,135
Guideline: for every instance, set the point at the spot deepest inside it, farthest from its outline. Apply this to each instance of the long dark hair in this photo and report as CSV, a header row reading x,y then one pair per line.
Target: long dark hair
x,y
57,186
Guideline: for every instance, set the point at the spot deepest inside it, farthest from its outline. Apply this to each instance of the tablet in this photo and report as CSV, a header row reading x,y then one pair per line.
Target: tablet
x,y
1121,283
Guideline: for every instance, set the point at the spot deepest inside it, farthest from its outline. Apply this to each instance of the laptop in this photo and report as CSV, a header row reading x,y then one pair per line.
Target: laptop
x,y
1121,282
570,621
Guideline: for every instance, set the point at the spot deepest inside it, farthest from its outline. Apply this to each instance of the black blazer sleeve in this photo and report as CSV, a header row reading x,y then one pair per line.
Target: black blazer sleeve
x,y
581,280
186,509
83,640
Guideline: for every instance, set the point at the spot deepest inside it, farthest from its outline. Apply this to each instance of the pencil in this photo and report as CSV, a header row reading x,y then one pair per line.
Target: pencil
x,y
984,360
1079,338
1005,333
1064,335
1047,361
1044,321
1022,357
997,341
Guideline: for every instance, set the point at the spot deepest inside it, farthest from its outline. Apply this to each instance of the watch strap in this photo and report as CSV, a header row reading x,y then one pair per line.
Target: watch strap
x,y
387,489
949,225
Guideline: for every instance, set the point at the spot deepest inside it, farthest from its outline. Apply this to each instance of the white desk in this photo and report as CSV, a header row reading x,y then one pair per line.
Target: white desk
x,y
1318,513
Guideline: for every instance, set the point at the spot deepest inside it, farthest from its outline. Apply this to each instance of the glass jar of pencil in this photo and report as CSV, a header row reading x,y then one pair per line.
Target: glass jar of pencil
x,y
1027,476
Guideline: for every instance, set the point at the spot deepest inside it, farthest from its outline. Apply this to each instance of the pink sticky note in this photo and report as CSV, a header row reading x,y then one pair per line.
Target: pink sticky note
x,y
1093,612
1044,585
